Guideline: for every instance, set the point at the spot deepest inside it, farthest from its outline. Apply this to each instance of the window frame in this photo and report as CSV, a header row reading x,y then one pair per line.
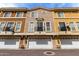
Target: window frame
x,y
20,26
29,27
35,15
48,26
70,26
9,22
3,26
21,15
9,14
60,28
61,13
77,26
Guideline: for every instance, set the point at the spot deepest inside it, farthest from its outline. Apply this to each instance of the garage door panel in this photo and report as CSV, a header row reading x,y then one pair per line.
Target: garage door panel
x,y
6,43
10,42
70,43
40,43
66,42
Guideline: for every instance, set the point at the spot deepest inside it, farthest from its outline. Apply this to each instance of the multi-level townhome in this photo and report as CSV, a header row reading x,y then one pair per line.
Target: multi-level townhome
x,y
12,24
66,24
39,28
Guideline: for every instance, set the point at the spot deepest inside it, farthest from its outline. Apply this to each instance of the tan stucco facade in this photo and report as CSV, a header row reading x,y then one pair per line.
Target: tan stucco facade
x,y
70,15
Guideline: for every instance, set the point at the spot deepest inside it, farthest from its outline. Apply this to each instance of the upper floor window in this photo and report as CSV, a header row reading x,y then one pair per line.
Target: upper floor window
x,y
62,26
10,26
72,26
40,26
48,26
2,24
7,14
19,14
77,25
31,26
18,27
60,14
34,14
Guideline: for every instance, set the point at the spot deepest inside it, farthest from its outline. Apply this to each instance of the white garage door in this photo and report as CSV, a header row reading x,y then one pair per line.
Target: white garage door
x,y
70,43
40,43
9,43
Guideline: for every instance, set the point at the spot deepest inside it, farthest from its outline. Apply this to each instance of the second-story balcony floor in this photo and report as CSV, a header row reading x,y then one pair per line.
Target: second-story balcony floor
x,y
12,17
66,17
35,33
68,33
42,33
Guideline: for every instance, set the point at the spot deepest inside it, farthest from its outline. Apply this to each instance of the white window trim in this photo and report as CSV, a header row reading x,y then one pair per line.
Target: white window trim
x,y
59,27
74,26
46,26
31,14
20,26
9,15
10,21
20,16
4,22
63,15
35,15
29,26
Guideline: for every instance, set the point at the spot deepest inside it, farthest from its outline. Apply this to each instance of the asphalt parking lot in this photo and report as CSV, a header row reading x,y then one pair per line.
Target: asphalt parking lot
x,y
68,52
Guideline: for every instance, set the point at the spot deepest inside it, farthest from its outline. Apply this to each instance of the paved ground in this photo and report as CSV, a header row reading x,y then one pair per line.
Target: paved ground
x,y
39,52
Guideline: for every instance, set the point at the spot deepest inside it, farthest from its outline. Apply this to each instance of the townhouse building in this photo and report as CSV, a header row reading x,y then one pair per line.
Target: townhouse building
x,y
39,28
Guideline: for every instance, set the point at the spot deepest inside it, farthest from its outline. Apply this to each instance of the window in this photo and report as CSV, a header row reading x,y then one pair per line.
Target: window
x,y
34,14
72,26
48,26
77,25
62,26
60,14
10,26
17,27
2,24
39,26
31,27
7,14
19,14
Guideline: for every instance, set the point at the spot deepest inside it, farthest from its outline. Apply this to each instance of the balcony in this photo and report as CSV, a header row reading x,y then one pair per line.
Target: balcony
x,y
6,33
42,33
12,17
68,33
66,17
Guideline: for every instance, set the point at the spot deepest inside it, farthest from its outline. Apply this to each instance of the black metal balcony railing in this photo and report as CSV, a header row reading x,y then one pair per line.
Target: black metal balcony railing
x,y
66,28
39,29
9,29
